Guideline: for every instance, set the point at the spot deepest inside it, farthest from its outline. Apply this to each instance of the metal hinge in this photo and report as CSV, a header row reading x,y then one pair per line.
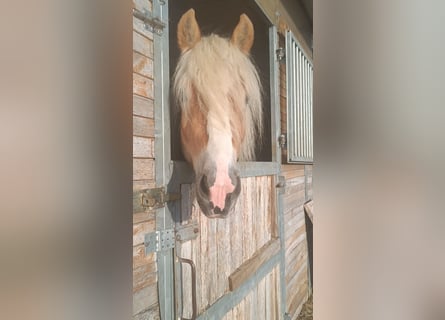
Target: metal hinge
x,y
161,240
282,140
152,24
281,54
150,199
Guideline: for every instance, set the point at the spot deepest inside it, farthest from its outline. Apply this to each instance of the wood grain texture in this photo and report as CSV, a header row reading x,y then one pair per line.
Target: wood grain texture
x,y
252,265
143,147
139,27
142,65
290,171
143,169
139,257
143,127
151,313
140,229
143,184
144,216
144,276
142,45
143,107
145,298
261,298
143,86
143,5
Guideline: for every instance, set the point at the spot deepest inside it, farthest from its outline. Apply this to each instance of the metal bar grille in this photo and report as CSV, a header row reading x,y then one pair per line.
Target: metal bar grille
x,y
299,78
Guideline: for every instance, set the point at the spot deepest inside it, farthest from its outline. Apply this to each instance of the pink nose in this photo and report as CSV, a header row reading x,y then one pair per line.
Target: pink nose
x,y
218,192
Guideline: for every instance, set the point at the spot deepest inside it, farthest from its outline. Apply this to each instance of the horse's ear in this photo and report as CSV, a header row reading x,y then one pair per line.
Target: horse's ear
x,y
242,36
188,31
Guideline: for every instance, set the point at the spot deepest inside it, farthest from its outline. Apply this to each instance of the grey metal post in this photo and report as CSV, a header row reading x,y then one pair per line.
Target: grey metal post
x,y
164,218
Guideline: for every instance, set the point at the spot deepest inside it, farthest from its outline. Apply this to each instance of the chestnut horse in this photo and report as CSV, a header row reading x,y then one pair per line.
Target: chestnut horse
x,y
218,92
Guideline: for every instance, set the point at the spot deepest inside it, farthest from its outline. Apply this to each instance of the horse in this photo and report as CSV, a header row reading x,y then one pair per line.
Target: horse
x,y
218,93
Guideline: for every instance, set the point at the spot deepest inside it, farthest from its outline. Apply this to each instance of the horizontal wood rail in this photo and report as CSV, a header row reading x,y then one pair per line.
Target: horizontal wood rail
x,y
251,266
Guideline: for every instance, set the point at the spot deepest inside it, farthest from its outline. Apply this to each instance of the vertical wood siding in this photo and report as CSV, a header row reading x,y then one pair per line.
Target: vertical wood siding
x,y
224,244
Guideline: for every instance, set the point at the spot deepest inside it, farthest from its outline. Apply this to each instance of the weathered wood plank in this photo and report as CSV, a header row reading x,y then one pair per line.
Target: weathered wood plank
x,y
144,216
257,216
203,285
139,257
144,276
309,208
143,107
144,184
228,315
224,253
143,86
294,222
248,243
143,169
294,263
143,127
236,239
294,200
261,299
140,229
298,280
143,147
142,45
297,299
143,5
252,265
186,252
276,293
239,311
268,296
142,65
294,239
151,313
294,183
291,171
145,298
213,260
249,311
139,27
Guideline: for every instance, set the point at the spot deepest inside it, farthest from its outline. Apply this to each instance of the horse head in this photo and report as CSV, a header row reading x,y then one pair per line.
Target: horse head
x,y
218,93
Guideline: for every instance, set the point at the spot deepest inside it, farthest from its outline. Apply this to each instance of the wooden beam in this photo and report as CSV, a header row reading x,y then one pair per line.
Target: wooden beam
x,y
248,268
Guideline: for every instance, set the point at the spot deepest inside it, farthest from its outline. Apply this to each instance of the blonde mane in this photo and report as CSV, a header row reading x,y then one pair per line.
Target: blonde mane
x,y
224,81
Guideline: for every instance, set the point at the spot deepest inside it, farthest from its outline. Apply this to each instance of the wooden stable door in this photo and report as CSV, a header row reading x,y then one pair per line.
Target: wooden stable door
x,y
225,257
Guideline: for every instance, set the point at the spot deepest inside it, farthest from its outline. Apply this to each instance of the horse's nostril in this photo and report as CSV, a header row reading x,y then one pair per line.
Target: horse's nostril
x,y
204,186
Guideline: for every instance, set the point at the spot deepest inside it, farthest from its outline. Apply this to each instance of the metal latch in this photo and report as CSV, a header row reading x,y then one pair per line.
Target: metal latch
x,y
152,24
150,199
161,240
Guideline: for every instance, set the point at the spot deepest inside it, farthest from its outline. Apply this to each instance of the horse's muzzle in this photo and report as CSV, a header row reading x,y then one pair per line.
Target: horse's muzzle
x,y
208,207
